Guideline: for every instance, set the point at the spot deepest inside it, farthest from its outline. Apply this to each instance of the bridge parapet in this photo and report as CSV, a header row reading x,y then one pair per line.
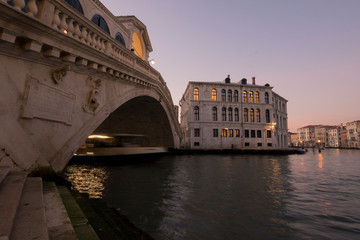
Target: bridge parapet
x,y
61,17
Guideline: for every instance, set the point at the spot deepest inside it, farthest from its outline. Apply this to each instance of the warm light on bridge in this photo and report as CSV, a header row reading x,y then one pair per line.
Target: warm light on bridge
x,y
99,136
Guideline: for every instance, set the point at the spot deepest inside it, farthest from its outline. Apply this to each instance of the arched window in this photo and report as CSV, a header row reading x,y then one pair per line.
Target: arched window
x,y
223,114
230,113
213,95
229,95
196,94
252,115
100,21
251,97
267,116
257,97
246,115
75,4
120,38
196,113
244,96
236,113
223,95
257,115
214,114
266,97
236,96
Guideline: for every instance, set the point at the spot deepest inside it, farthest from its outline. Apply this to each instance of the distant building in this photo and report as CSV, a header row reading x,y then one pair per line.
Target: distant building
x,y
306,136
353,134
334,136
225,115
293,139
343,136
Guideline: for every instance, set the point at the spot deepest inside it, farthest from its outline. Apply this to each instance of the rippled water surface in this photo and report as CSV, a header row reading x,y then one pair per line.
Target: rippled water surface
x,y
310,196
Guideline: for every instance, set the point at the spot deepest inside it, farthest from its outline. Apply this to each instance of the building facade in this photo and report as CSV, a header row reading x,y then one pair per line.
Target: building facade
x,y
306,136
334,136
353,134
225,115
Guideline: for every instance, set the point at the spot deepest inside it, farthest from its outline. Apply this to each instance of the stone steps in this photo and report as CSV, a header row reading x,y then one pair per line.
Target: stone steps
x,y
33,209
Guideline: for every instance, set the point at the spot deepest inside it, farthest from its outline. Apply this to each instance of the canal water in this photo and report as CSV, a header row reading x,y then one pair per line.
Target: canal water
x,y
310,196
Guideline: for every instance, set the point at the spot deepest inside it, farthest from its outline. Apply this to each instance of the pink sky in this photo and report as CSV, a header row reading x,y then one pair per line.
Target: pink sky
x,y
309,51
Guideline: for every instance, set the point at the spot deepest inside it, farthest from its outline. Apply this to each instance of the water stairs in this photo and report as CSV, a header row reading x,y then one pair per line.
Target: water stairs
x,y
31,208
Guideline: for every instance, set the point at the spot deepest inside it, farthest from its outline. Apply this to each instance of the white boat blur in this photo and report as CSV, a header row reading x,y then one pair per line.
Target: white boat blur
x,y
118,145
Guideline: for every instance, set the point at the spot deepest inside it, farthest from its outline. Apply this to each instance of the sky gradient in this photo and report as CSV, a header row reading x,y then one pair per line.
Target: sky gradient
x,y
308,50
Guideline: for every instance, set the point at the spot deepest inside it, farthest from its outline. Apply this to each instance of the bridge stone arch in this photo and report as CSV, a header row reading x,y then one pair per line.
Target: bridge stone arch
x,y
62,78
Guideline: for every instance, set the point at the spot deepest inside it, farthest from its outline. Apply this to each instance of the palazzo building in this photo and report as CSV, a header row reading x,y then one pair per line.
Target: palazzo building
x,y
225,115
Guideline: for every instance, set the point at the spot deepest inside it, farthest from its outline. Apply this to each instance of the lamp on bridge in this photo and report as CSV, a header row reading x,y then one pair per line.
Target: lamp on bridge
x,y
152,61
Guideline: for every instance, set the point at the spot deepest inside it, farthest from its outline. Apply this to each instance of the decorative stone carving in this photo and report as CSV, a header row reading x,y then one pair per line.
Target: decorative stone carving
x,y
94,96
59,75
46,102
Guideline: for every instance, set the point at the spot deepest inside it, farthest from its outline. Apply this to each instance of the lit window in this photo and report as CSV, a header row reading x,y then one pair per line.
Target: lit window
x,y
257,115
251,97
196,94
245,96
237,133
196,113
246,115
230,114
213,94
252,115
224,132
229,95
231,133
223,114
223,95
257,97
236,96
214,114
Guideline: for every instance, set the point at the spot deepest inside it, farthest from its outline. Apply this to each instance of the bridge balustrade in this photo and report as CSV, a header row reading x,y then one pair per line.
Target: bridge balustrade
x,y
66,20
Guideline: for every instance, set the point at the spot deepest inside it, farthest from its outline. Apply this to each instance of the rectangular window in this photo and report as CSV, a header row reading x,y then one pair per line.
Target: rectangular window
x,y
237,133
247,144
197,132
269,144
268,133
215,133
252,133
258,133
224,133
259,144
246,133
231,133
196,144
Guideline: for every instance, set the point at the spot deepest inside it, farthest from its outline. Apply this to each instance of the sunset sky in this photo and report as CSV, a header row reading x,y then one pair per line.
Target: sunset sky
x,y
308,50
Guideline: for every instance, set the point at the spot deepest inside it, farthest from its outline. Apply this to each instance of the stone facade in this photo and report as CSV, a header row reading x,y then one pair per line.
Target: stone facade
x,y
225,115
64,74
353,134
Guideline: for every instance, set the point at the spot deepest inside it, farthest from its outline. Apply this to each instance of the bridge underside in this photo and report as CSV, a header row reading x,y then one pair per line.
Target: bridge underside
x,y
141,115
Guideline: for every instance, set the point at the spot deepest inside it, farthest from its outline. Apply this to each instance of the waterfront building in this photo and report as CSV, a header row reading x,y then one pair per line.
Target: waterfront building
x,y
343,136
353,134
306,136
293,139
225,115
334,136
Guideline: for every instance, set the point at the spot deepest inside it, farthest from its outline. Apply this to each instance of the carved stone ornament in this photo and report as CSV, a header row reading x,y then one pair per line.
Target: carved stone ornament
x,y
59,75
94,96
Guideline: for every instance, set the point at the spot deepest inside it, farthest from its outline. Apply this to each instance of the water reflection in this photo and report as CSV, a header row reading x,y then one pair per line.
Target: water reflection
x,y
321,160
87,179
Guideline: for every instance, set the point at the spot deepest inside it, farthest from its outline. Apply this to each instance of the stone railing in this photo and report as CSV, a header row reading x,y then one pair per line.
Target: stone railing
x,y
61,17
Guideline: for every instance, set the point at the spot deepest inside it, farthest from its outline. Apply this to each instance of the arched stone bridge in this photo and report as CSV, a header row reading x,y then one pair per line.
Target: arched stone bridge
x,y
67,71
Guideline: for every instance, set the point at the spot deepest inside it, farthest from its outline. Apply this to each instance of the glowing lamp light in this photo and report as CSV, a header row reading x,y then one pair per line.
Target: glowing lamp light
x,y
65,32
99,136
152,62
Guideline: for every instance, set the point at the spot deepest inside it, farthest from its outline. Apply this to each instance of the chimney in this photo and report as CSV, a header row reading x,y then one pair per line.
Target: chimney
x,y
253,80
